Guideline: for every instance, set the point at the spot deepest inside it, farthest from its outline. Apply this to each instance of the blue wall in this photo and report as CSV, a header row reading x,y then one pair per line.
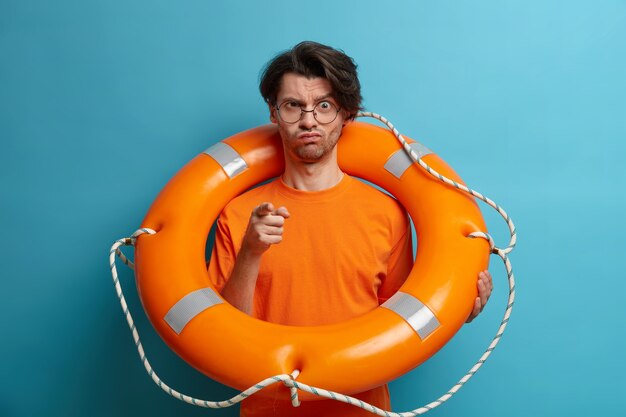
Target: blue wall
x,y
101,102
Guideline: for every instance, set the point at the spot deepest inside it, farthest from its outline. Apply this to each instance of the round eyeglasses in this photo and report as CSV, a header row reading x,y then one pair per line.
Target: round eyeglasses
x,y
324,112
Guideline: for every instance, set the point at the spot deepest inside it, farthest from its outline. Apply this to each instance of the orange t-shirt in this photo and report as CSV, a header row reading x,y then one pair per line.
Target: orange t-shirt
x,y
345,250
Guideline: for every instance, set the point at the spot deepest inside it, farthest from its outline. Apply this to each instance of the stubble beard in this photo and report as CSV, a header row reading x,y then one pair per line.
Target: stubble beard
x,y
312,152
315,152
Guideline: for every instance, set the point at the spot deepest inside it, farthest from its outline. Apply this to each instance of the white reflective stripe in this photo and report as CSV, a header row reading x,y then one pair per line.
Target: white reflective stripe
x,y
228,158
190,306
414,312
399,161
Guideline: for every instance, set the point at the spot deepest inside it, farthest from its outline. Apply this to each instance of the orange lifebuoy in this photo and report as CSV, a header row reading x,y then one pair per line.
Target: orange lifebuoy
x,y
353,356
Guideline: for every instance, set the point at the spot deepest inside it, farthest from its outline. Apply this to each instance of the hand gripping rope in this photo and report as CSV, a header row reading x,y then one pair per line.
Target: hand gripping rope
x,y
289,380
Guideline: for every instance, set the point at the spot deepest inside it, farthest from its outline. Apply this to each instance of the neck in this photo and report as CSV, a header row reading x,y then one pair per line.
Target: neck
x,y
316,176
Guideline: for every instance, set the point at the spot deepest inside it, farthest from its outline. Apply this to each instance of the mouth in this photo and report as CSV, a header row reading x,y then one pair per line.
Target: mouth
x,y
309,137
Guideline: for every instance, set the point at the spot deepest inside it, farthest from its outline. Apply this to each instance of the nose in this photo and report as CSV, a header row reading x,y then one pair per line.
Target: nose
x,y
307,121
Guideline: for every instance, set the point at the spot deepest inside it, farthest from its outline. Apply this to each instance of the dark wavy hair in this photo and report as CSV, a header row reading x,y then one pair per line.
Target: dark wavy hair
x,y
313,59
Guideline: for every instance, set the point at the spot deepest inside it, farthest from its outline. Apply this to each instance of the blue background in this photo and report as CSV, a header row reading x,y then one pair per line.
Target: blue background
x,y
101,102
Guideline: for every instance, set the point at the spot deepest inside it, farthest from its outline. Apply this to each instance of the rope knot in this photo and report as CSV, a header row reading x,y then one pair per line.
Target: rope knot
x,y
130,241
292,385
488,238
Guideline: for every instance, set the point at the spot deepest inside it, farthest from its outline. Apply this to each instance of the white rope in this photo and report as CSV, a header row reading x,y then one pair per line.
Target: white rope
x,y
418,160
289,380
283,378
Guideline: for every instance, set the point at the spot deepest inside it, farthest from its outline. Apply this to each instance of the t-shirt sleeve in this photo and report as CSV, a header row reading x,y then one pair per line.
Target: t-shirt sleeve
x,y
399,265
223,256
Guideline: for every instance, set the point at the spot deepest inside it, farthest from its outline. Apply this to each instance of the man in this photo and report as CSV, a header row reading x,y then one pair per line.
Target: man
x,y
320,246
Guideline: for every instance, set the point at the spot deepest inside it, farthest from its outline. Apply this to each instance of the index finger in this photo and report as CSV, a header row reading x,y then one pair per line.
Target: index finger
x,y
264,209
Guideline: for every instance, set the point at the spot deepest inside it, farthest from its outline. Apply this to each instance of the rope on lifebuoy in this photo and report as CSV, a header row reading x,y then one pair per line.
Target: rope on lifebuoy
x,y
289,380
284,378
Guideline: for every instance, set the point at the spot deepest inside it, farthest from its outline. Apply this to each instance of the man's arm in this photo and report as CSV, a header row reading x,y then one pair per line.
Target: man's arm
x,y
399,264
265,228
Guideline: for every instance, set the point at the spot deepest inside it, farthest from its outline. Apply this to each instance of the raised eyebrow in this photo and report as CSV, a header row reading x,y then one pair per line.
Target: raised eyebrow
x,y
323,98
301,103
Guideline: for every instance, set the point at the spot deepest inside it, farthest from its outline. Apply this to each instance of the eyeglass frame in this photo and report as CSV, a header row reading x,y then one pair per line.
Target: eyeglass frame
x,y
302,111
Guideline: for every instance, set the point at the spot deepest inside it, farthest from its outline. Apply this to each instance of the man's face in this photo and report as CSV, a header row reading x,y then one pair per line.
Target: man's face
x,y
307,140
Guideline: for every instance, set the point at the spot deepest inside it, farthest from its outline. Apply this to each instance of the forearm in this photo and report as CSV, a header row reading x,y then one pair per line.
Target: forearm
x,y
265,228
239,290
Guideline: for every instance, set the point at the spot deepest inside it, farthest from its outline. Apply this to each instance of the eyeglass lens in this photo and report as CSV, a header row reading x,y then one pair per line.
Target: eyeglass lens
x,y
324,112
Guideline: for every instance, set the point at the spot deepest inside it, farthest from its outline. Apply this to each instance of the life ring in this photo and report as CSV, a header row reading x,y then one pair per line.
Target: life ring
x,y
349,357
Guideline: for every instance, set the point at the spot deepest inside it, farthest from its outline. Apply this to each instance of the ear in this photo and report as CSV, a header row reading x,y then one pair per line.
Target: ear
x,y
273,115
346,118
